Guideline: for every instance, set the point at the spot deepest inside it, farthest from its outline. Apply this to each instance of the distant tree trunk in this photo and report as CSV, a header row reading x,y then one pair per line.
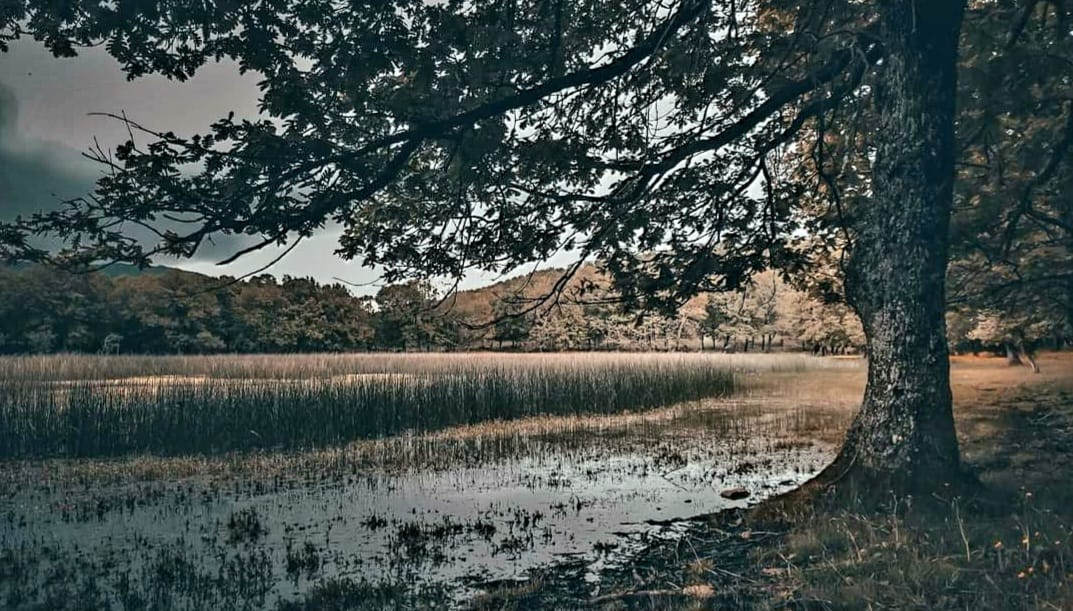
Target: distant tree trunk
x,y
1013,358
1020,354
1028,356
903,436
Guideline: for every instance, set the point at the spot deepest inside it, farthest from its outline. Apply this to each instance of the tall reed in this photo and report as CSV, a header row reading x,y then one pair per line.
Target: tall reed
x,y
83,407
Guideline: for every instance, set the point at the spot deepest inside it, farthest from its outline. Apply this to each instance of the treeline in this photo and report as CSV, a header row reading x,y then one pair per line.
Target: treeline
x,y
769,314
168,311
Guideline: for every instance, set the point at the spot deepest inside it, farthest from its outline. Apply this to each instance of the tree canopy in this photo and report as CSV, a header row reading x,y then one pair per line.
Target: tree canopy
x,y
457,135
686,145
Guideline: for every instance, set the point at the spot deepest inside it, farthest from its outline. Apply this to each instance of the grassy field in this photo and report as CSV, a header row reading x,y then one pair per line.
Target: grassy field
x,y
379,481
1007,546
81,406
85,407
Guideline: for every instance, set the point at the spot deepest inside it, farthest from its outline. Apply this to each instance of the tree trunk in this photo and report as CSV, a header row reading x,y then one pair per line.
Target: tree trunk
x,y
903,436
1022,354
1013,358
1032,364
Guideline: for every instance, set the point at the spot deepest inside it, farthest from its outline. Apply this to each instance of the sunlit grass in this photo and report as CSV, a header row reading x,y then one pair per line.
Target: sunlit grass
x,y
74,367
81,406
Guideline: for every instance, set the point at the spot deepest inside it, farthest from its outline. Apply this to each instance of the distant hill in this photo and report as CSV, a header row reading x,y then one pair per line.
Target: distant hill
x,y
122,269
163,309
115,270
479,305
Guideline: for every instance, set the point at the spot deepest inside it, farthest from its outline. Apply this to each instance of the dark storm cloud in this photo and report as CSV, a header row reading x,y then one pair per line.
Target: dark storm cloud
x,y
36,175
47,120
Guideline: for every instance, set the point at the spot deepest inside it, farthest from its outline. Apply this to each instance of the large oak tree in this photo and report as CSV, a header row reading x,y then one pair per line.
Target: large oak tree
x,y
447,136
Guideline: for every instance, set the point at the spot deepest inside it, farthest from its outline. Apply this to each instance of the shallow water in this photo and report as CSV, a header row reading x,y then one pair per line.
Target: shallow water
x,y
449,520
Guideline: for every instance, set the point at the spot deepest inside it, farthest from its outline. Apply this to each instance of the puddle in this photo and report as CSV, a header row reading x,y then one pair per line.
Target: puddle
x,y
490,514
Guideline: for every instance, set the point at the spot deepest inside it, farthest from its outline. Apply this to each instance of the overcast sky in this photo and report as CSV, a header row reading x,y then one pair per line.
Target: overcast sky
x,y
45,124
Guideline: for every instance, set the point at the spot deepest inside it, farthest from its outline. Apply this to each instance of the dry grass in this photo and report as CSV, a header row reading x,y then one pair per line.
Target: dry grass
x,y
1010,547
81,406
73,367
771,402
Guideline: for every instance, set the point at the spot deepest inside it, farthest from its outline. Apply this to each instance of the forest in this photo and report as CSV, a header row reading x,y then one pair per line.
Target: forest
x,y
162,310
170,311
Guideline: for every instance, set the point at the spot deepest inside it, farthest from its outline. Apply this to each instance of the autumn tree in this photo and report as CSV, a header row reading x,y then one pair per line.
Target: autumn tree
x,y
457,135
511,325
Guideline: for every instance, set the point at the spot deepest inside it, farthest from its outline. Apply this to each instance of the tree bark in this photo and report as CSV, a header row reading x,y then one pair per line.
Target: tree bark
x,y
1032,364
1013,358
903,436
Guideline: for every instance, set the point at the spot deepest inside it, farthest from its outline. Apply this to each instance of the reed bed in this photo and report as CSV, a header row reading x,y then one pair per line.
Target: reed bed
x,y
74,367
82,406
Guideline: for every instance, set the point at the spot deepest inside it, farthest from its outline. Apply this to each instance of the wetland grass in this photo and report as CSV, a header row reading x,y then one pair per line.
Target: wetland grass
x,y
77,406
143,369
506,463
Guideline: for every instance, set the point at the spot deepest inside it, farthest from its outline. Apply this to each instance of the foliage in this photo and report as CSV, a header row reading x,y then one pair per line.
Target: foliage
x,y
1013,231
169,311
447,136
1011,234
162,311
